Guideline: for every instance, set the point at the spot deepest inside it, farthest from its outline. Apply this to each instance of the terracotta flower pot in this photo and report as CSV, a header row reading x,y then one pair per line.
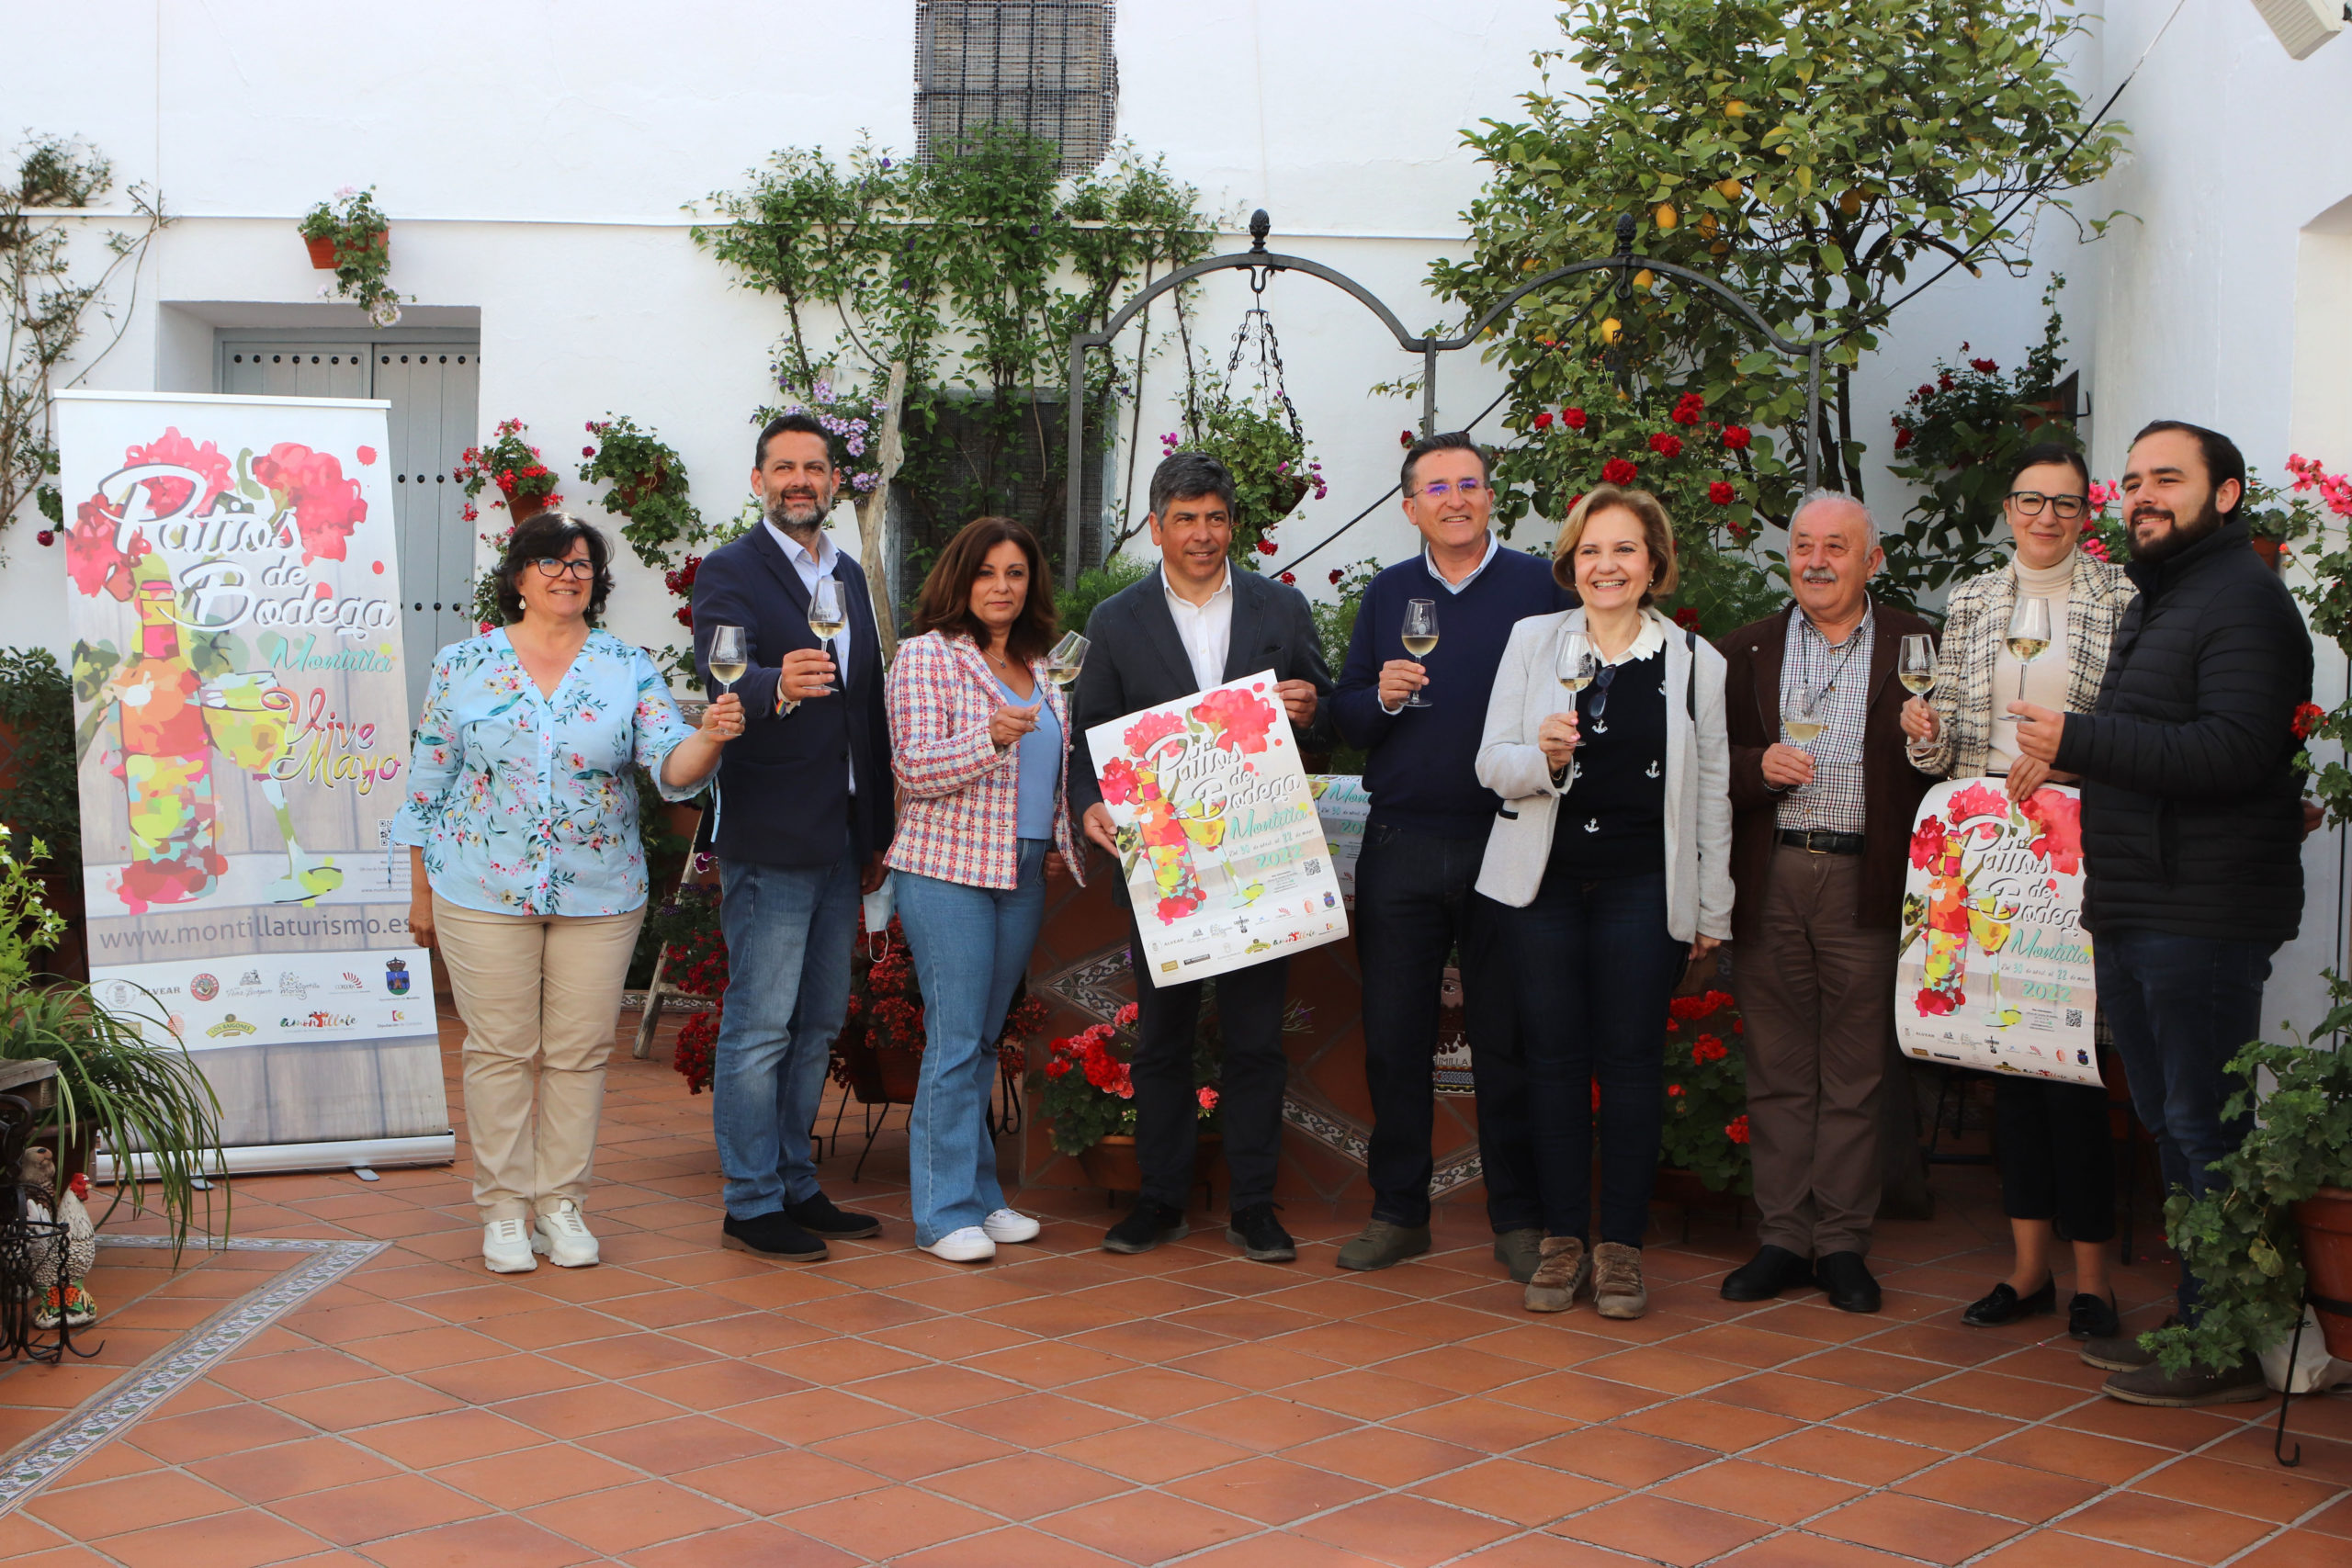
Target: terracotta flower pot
x,y
2269,550
321,253
2325,1221
1112,1164
523,508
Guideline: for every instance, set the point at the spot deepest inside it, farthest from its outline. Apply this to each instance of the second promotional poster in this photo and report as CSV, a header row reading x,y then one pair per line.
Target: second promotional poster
x,y
242,722
1222,851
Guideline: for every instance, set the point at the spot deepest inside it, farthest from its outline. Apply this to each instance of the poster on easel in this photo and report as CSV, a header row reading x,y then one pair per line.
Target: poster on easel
x,y
1995,971
1223,857
242,732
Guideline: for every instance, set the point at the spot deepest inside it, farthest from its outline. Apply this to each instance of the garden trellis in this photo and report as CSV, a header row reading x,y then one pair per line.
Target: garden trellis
x,y
1262,264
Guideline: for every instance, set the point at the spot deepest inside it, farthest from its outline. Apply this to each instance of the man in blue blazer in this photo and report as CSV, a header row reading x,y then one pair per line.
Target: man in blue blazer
x,y
803,818
1194,623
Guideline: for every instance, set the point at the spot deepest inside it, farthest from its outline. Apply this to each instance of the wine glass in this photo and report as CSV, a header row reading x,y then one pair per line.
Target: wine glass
x,y
1917,671
728,656
1420,640
2028,634
1811,715
825,616
1576,662
1067,658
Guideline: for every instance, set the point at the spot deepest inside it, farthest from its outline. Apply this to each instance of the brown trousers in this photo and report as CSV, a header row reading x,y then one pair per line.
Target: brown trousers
x,y
541,996
1817,991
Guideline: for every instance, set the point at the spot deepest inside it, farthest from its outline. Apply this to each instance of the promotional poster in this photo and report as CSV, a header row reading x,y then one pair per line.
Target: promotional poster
x,y
1995,972
241,724
1219,843
1345,806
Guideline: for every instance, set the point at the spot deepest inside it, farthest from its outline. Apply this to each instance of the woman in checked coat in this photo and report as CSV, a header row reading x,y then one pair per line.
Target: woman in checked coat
x,y
980,734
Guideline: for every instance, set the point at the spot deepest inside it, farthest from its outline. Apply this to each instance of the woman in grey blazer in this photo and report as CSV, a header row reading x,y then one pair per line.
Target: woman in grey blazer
x,y
1612,855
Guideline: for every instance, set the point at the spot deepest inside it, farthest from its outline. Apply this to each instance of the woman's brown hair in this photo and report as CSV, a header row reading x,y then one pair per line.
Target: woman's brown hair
x,y
945,605
1657,536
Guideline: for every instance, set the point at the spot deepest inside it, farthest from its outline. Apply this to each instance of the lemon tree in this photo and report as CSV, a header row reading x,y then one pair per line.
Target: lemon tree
x,y
1825,160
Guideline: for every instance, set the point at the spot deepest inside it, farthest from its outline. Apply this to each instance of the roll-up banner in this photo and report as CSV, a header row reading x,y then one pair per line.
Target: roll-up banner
x,y
242,725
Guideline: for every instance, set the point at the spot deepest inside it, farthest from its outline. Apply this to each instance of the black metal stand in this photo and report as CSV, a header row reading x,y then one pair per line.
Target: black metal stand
x,y
2287,1394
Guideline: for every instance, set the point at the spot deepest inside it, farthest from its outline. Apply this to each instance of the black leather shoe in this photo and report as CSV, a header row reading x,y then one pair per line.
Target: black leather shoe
x,y
2005,1305
1766,1275
1847,1281
1259,1236
2093,1318
1147,1225
817,1217
772,1235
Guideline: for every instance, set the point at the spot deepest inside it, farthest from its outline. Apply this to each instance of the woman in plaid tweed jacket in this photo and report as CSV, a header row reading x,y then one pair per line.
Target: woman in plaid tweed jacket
x,y
2050,1138
979,740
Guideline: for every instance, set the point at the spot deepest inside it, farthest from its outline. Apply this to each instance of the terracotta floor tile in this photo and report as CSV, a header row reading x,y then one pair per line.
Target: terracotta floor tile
x,y
1152,1455
1152,1392
2277,1494
1664,1530
421,1349
2051,1549
1271,1491
1662,1370
779,1482
2298,1549
290,1372
1039,1420
1614,1455
910,1449
530,1476
629,1517
370,1510
2169,1525
128,1503
502,1538
1489,1425
1525,1494
245,1539
1845,1456
1025,1485
447,1437
887,1522
286,1470
1016,1547
583,1411
1146,1526
2007,1491
936,1390
230,1429
1263,1422
350,1407
1541,1550
1915,1527
1799,1548
1759,1491
754,1545
1704,1424
2081,1454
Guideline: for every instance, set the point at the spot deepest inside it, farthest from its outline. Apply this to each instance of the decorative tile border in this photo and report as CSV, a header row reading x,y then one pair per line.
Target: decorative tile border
x,y
144,1387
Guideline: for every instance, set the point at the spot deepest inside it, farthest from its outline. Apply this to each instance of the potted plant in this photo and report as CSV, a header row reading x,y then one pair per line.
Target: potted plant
x,y
1705,1139
38,796
2277,1220
1086,1091
878,1053
525,484
648,486
1265,452
350,237
124,1083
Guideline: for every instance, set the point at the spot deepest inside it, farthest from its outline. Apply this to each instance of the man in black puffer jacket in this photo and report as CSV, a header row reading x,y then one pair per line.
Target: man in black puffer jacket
x,y
2192,826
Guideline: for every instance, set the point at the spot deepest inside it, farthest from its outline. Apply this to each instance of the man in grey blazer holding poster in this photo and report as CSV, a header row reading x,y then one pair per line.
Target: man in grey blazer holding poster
x,y
1194,623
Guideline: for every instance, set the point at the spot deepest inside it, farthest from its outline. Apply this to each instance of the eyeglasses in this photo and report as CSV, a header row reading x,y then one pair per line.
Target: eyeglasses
x,y
1438,490
550,567
2030,503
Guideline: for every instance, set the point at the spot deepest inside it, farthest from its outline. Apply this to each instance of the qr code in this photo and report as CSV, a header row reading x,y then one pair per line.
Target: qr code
x,y
2074,1018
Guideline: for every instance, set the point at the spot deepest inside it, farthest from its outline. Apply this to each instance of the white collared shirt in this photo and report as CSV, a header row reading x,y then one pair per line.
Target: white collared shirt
x,y
1470,577
811,569
1649,640
1206,630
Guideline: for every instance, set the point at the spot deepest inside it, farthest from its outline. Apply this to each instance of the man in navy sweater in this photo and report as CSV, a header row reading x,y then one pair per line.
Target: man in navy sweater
x,y
1421,849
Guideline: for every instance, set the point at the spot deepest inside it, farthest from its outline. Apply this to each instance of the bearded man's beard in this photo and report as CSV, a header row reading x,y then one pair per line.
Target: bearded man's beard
x,y
2177,539
798,514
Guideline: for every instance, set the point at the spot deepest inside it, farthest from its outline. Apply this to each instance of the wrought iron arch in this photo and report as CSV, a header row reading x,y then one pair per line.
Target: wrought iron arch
x,y
1258,259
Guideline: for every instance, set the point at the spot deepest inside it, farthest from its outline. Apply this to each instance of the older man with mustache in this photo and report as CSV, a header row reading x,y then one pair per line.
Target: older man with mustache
x,y
1823,797
2192,828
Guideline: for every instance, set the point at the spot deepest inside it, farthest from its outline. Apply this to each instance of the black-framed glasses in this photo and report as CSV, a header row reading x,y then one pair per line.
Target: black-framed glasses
x,y
550,567
2030,502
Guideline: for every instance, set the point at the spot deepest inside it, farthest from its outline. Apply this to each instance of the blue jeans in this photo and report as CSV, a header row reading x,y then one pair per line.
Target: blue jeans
x,y
971,946
788,933
2180,1007
1595,966
1414,900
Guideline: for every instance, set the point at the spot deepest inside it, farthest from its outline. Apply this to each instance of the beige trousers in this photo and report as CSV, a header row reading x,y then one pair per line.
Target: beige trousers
x,y
541,995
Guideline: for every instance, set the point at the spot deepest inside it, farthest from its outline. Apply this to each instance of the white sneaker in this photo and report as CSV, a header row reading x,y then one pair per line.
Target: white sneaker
x,y
971,1244
506,1248
564,1237
1011,1225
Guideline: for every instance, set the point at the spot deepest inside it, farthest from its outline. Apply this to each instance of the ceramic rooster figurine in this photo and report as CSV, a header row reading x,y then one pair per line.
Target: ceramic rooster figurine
x,y
71,1303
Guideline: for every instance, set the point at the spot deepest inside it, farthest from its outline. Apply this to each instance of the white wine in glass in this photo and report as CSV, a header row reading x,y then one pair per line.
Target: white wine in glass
x,y
727,659
1805,731
1420,640
1806,725
825,617
1917,671
2028,634
1068,655
1576,662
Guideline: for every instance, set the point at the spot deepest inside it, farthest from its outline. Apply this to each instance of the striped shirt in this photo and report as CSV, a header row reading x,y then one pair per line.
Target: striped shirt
x,y
1839,676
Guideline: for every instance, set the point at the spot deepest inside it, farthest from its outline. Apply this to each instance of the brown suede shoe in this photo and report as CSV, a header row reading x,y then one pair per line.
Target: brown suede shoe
x,y
1564,1272
2153,1385
1617,1288
1521,1251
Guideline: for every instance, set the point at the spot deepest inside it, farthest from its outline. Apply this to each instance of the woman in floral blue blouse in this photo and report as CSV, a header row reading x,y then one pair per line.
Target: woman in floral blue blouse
x,y
522,823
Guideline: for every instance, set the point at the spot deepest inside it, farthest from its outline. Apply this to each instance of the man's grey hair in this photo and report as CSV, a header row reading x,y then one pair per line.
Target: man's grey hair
x,y
1183,475
1823,492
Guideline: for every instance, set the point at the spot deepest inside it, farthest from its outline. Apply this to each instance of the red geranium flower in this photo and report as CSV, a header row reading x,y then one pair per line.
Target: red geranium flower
x,y
1737,1130
1902,438
1618,471
1335,575
1267,548
1543,420
1983,367
1575,419
1721,494
1687,617
1666,443
1290,577
1688,408
1737,436
2307,718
